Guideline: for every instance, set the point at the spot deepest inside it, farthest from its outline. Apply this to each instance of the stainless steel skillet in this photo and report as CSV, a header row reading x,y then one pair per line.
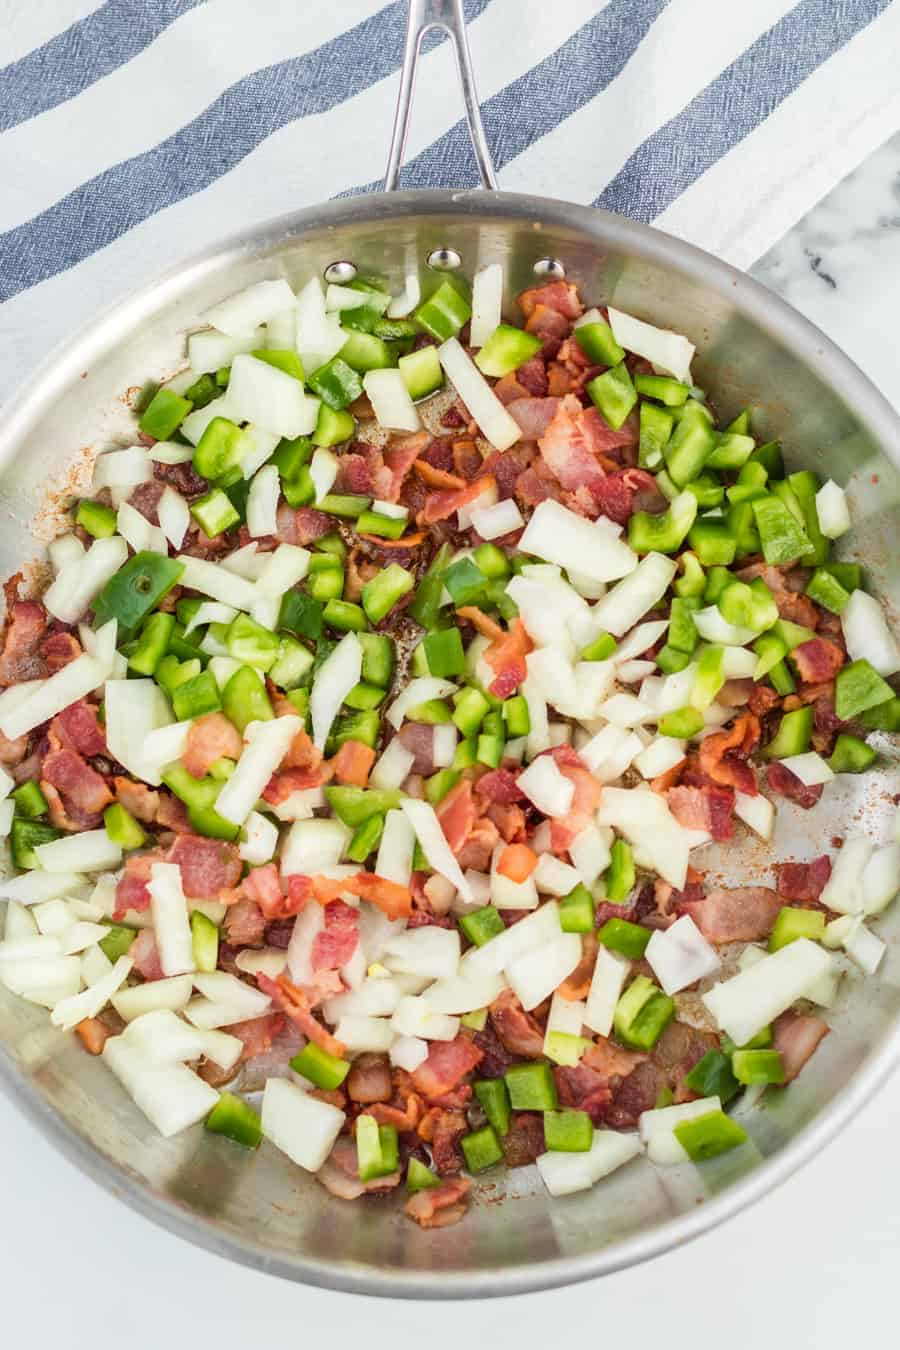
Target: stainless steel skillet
x,y
753,349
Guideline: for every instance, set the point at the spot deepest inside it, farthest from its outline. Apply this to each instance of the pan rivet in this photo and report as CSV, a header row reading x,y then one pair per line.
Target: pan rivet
x,y
444,259
340,272
549,267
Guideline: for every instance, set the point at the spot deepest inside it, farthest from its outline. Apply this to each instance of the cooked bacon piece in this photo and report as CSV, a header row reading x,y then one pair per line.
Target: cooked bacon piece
x,y
400,458
787,784
79,728
438,478
182,477
787,585
391,898
418,739
533,415
442,1126
353,763
369,1080
404,1111
339,1174
211,737
550,326
634,1095
506,657
481,622
584,803
93,1035
614,498
585,1089
456,814
565,450
302,753
442,505
131,890
478,849
284,784
517,1030
58,650
138,799
257,1034
609,1060
145,498
803,881
263,886
524,1141
744,914
509,390
559,295
703,808
207,865
577,984
763,700
796,1038
467,459
817,660
354,475
244,924
722,756
338,940
439,1206
509,820
300,526
12,752
506,466
499,785
84,792
294,1002
448,1063
145,955
676,1052
21,658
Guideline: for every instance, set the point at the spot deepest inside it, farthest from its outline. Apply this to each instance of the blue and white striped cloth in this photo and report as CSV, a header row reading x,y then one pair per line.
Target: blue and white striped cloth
x,y
135,132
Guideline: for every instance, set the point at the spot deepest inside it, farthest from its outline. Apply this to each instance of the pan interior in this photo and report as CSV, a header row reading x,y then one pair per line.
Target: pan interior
x,y
751,350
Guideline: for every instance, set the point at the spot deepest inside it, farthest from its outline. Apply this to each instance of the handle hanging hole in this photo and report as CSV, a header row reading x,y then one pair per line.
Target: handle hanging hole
x,y
444,260
549,269
340,273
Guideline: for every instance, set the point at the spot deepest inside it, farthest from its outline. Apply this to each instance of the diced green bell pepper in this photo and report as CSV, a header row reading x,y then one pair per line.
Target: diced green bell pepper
x,y
336,383
493,1096
642,1014
204,942
25,836
135,589
655,429
214,513
333,427
320,1067
568,1131
164,414
29,801
353,805
858,687
236,1119
117,941
444,313
791,924
804,485
827,591
505,350
221,449
708,1135
758,1066
122,827
851,755
439,784
196,697
713,541
576,911
481,1149
691,444
793,735
682,633
692,581
245,700
731,451
282,359
782,537
711,1076
664,533
531,1087
709,678
613,394
422,372
629,939
663,388
601,649
482,925
682,723
620,875
97,519
250,643
384,591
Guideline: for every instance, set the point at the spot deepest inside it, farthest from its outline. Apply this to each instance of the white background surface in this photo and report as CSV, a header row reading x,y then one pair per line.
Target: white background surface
x,y
813,1265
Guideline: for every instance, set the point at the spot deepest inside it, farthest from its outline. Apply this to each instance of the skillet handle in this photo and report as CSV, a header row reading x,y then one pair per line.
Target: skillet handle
x,y
447,15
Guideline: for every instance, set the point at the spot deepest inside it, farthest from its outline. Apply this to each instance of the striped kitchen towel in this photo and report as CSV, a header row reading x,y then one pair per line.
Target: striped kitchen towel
x,y
135,132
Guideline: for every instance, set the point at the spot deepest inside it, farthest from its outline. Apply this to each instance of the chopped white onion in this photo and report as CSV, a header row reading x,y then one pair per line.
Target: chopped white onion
x,y
810,768
421,690
260,839
65,549
164,1038
755,997
538,738
757,812
536,974
393,766
487,497
323,470
79,582
509,894
261,393
172,993
338,674
170,1096
670,353
609,753
867,635
390,400
590,853
428,951
657,1129
646,821
246,562
843,890
262,502
170,919
174,516
492,522
496,423
434,844
546,787
607,982
660,755
135,709
626,710
88,851
137,531
628,601
209,351
313,845
122,468
33,887
639,640
458,994
415,1017
680,955
195,424
560,536
444,742
632,672
487,303
221,987
216,581
263,444
409,297
880,880
265,746
832,510
282,569
74,1009
408,1052
864,947
554,877
712,627
565,1173
395,851
271,961
240,315
319,335
365,1034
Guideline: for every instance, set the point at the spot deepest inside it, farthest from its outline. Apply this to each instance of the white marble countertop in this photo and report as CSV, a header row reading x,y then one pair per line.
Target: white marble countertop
x,y
811,1265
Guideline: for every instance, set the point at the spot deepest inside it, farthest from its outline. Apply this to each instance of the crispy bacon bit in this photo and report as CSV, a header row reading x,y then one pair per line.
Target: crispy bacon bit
x,y
585,1089
584,803
301,526
467,459
676,1052
456,814
13,752
796,1038
438,478
448,1063
533,415
401,457
480,843
145,954
207,865
139,800
211,737
577,985
443,505
294,1002
79,728
131,890
418,739
787,784
338,940
634,1095
257,1034
499,785
610,1060
84,793
93,1035
21,658
803,881
817,660
722,756
559,295
439,1206
744,914
786,585
565,448
284,784
524,1141
353,763
244,924
58,650
369,1080
517,1031
703,808
506,657
263,886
